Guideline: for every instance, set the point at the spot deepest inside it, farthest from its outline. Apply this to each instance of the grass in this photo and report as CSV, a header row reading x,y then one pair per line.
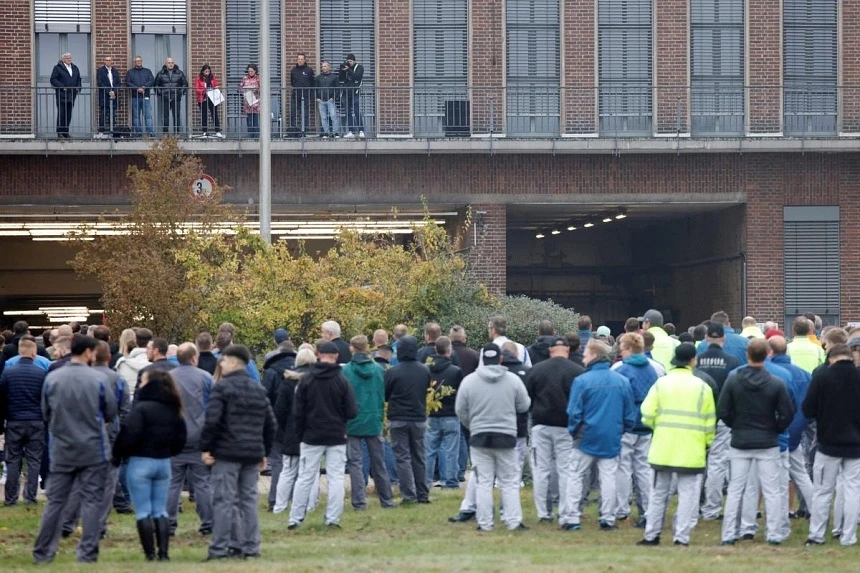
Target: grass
x,y
419,538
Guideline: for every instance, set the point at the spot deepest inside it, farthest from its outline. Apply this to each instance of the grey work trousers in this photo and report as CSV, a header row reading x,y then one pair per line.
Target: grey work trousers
x,y
381,480
552,448
767,462
107,500
189,465
824,475
688,505
24,440
633,468
92,484
489,465
718,472
234,485
309,469
407,441
276,465
607,469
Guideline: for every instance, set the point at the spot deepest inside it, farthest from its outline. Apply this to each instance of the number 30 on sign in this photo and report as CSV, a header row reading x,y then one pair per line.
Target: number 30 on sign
x,y
202,188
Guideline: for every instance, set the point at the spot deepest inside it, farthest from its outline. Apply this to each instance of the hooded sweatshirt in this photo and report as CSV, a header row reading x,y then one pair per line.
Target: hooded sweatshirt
x,y
755,404
488,403
367,380
130,366
638,370
444,373
406,384
548,385
539,350
324,403
832,402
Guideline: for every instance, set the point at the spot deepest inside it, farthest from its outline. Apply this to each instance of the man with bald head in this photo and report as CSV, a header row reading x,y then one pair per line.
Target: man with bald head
x,y
195,385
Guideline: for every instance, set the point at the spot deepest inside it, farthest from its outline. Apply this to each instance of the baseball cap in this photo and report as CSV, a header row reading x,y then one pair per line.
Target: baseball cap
x,y
559,341
652,316
490,352
773,332
854,342
684,353
281,335
716,330
603,331
328,348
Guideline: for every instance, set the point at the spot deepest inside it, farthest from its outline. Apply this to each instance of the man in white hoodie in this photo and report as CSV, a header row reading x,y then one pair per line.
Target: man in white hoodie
x,y
488,402
130,366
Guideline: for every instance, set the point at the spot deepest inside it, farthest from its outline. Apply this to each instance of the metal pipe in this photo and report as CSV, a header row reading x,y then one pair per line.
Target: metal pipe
x,y
265,208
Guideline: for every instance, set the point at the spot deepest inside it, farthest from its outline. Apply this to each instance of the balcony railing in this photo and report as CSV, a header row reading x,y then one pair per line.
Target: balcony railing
x,y
618,111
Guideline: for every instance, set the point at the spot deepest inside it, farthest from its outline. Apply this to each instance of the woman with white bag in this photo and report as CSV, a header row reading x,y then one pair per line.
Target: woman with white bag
x,y
209,97
250,87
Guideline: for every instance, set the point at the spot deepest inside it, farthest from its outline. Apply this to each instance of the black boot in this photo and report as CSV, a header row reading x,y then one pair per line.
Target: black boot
x,y
145,531
162,536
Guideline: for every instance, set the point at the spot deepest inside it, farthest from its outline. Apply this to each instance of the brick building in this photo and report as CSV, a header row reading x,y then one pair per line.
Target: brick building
x,y
686,155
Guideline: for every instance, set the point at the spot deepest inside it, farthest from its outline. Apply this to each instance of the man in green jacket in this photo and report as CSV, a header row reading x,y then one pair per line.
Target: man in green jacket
x,y
803,352
664,345
366,377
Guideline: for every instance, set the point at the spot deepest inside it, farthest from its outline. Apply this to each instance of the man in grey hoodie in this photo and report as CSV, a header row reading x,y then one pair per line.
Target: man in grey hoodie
x,y
488,402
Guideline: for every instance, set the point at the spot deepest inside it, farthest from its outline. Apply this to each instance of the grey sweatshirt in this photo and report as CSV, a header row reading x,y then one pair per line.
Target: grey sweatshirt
x,y
77,404
489,400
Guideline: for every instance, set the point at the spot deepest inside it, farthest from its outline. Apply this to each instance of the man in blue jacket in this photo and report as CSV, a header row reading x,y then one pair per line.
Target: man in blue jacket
x,y
600,410
735,344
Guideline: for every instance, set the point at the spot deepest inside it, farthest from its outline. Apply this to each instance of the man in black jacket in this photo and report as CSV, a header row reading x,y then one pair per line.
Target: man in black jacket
x,y
331,333
324,402
273,376
539,350
170,85
406,387
442,444
108,82
831,401
328,96
757,407
352,74
66,80
548,385
287,439
302,82
469,360
236,439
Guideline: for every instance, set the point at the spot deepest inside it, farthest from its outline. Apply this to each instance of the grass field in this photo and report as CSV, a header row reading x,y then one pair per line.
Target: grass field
x,y
419,538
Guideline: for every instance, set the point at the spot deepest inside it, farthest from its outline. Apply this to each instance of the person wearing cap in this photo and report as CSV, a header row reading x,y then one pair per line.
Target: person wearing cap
x,y
680,409
324,404
773,332
718,364
756,405
600,410
633,463
236,439
351,74
854,345
406,387
735,344
277,362
664,346
750,328
487,403
548,385
803,352
832,402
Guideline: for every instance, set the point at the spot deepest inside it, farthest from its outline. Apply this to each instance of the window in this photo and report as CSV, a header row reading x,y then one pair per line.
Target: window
x,y
625,66
63,26
717,78
243,48
441,65
349,26
811,262
810,66
533,73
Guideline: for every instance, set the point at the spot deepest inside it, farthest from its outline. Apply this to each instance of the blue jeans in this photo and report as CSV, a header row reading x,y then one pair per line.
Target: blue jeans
x,y
253,121
442,443
148,484
141,106
390,463
328,112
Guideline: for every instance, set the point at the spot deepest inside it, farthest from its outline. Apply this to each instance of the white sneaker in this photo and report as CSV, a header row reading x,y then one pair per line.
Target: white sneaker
x,y
100,136
349,135
219,134
361,134
205,135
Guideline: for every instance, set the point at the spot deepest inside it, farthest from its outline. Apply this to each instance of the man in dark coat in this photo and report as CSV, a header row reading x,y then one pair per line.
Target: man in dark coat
x,y
302,82
66,80
170,84
108,82
273,376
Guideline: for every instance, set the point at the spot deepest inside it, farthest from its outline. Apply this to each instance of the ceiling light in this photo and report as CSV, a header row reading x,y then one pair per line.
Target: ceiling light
x,y
571,227
607,219
539,235
621,215
588,225
556,232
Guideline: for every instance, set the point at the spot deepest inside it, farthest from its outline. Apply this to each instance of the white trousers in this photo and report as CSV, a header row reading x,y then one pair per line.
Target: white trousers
x,y
488,465
287,485
552,448
798,474
309,469
824,476
689,488
718,472
767,462
633,466
607,469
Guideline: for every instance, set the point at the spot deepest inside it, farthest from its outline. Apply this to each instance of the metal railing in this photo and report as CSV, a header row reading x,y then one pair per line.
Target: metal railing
x,y
723,110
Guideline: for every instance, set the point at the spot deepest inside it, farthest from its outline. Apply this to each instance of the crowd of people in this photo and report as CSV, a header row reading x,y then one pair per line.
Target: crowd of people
x,y
719,418
336,94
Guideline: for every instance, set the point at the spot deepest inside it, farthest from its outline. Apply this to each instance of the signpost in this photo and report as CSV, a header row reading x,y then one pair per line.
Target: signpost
x,y
201,188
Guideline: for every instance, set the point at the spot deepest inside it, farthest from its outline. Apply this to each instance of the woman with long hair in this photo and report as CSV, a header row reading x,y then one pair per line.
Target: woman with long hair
x,y
127,341
205,84
152,433
250,87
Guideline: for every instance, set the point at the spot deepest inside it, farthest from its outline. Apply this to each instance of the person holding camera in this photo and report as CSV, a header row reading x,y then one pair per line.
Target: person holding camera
x,y
352,73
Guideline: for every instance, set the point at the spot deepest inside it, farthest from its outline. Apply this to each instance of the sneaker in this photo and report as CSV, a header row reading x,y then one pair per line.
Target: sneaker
x,y
333,525
484,530
219,135
718,517
681,543
425,501
641,523
349,135
813,543
293,526
546,520
774,542
204,136
606,526
462,517
649,542
361,134
520,527
437,484
571,527
728,542
748,536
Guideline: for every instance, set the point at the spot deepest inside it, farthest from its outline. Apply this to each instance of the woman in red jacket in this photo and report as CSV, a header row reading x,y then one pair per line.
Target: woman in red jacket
x,y
205,86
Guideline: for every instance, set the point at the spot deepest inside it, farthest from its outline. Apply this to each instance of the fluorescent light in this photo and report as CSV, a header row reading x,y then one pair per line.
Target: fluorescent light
x,y
22,313
588,225
539,235
621,215
571,227
607,219
556,232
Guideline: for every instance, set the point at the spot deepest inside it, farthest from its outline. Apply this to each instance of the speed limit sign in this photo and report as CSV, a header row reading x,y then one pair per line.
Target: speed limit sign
x,y
202,188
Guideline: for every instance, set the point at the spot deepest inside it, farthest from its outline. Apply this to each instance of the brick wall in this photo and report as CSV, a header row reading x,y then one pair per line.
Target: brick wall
x,y
16,46
206,45
487,52
488,259
849,214
111,38
671,74
850,67
393,70
765,66
579,49
303,37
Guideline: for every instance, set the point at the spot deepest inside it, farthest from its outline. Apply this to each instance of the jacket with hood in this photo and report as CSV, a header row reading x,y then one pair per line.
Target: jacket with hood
x,y
736,345
638,370
601,410
755,404
344,353
468,357
129,367
444,373
195,386
548,385
284,411
118,390
273,372
368,383
406,384
515,366
664,347
798,391
171,84
718,364
488,403
539,350
832,400
429,351
790,385
153,428
324,403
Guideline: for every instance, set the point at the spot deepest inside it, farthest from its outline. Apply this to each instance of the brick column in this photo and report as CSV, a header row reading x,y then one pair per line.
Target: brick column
x,y
488,259
579,50
671,75
111,38
16,45
394,54
487,49
764,66
303,38
206,45
850,67
764,249
849,225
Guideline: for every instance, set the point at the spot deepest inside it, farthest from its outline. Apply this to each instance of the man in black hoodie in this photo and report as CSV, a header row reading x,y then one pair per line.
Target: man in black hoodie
x,y
324,402
539,350
302,82
757,407
832,401
443,432
406,387
273,376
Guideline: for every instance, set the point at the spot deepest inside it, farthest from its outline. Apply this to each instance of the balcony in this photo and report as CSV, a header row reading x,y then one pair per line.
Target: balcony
x,y
719,118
